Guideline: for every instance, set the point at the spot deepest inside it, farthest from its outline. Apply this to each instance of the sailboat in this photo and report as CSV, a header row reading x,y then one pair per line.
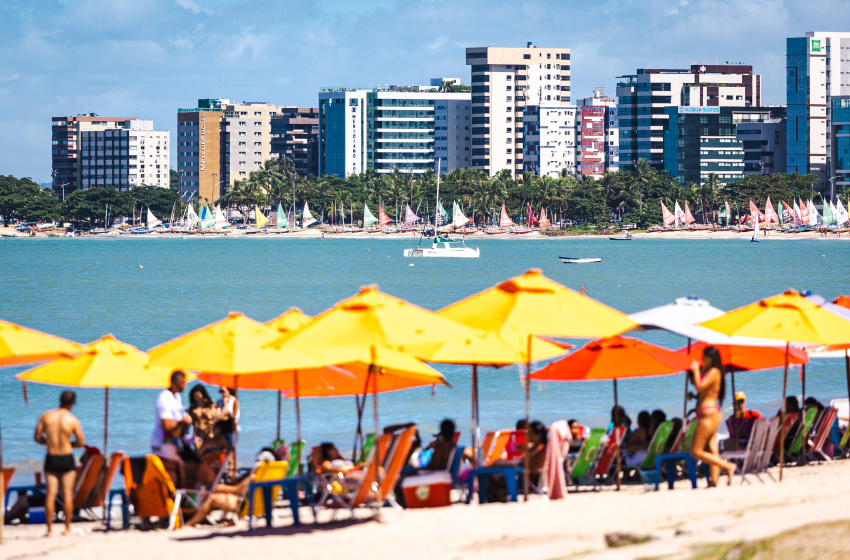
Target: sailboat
x,y
191,217
668,217
369,219
307,218
756,232
282,221
544,221
410,217
841,215
384,220
260,218
442,246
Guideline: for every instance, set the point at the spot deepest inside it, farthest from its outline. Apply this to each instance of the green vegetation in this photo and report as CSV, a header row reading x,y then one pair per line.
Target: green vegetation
x,y
633,195
823,540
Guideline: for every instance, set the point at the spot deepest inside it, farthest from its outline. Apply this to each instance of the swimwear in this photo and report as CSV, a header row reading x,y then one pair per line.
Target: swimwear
x,y
710,408
59,464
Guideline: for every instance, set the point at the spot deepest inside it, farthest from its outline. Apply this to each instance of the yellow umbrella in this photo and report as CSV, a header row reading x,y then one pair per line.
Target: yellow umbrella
x,y
292,319
530,305
20,345
790,317
107,363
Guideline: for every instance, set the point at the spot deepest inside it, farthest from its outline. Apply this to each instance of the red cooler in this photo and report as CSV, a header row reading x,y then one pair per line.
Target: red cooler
x,y
428,490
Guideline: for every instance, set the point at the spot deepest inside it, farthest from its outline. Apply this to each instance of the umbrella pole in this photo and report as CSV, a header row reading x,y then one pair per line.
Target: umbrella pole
x,y
298,416
616,404
687,380
805,436
527,417
376,457
474,409
782,414
734,435
278,414
846,366
105,417
2,487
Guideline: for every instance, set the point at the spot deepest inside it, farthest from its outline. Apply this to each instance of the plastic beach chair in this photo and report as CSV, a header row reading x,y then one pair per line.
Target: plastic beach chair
x,y
269,480
8,473
98,497
844,444
609,455
822,432
587,456
368,444
87,482
649,474
797,446
295,458
790,419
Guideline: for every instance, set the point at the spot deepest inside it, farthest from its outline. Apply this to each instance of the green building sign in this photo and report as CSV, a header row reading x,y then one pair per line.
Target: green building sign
x,y
815,45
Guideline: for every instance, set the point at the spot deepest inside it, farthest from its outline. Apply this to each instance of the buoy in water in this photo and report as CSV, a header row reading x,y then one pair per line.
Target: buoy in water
x,y
140,266
411,264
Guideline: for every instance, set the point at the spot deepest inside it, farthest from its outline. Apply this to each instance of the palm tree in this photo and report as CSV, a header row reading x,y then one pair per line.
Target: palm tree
x,y
642,172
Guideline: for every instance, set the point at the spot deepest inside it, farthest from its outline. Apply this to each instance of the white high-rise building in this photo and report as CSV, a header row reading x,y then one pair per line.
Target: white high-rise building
x,y
124,156
818,69
504,82
552,140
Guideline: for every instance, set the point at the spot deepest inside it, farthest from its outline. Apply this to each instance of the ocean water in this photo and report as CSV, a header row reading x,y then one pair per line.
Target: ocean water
x,y
82,289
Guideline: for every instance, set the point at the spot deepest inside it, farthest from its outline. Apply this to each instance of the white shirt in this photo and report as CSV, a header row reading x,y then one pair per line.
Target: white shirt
x,y
169,406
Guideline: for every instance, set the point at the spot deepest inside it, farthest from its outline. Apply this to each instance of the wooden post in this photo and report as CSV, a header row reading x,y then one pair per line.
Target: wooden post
x,y
619,467
2,487
734,435
475,418
278,413
527,474
687,379
782,413
297,415
847,372
803,407
105,418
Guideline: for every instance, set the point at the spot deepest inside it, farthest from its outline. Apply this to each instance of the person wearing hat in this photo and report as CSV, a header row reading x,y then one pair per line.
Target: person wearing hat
x,y
740,424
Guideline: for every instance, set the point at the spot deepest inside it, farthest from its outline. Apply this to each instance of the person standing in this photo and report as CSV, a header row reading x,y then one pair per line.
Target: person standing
x,y
61,432
172,422
711,386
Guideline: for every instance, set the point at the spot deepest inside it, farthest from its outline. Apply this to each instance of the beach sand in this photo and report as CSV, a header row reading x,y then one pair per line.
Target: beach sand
x,y
315,233
678,521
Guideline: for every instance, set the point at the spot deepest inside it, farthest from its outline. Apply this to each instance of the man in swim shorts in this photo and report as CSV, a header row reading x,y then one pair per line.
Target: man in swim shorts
x,y
55,429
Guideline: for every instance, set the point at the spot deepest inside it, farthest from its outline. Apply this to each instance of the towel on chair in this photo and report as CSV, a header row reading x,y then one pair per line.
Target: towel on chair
x,y
553,466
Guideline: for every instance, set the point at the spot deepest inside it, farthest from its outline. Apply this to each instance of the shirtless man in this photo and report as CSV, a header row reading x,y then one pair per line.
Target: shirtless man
x,y
55,430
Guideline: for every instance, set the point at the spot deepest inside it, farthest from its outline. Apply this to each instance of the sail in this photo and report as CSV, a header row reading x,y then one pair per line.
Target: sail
x,y
728,213
207,221
668,217
841,215
153,221
458,219
383,219
770,216
442,217
530,218
756,231
804,213
368,218
259,217
828,213
307,218
220,220
409,217
798,215
787,213
504,219
813,214
689,218
544,221
755,212
282,222
678,214
191,217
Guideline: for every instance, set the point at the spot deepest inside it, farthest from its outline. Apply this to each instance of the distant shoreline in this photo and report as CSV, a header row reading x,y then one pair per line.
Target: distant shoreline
x,y
318,234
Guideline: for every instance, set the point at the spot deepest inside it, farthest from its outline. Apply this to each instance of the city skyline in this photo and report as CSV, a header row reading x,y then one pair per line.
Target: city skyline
x,y
125,59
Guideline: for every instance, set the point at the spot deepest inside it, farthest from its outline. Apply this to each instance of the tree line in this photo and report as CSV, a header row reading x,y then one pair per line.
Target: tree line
x,y
633,195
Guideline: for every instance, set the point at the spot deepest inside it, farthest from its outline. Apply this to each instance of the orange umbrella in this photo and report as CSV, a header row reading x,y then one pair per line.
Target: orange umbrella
x,y
748,358
843,301
614,358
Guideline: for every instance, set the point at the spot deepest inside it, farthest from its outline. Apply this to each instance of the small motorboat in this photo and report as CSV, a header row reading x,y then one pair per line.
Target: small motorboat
x,y
444,247
580,260
624,235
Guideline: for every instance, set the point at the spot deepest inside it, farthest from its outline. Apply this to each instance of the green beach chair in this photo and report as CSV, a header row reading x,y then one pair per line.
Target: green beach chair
x,y
587,457
368,444
647,471
844,444
295,458
803,433
689,436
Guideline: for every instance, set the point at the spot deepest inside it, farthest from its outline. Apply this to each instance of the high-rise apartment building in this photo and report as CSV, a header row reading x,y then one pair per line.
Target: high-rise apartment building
x,y
295,135
201,165
247,137
599,133
389,129
818,69
551,140
122,152
840,145
762,133
504,82
643,100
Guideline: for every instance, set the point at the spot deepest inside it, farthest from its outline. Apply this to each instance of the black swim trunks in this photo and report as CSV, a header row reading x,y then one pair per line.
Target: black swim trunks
x,y
59,464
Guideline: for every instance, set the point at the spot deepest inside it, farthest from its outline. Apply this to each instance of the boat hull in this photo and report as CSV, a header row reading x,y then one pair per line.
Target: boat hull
x,y
579,260
459,252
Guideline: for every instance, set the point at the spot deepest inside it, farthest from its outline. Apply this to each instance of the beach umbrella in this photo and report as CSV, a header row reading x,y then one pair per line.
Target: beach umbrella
x,y
841,307
105,363
613,358
20,345
530,305
789,317
290,320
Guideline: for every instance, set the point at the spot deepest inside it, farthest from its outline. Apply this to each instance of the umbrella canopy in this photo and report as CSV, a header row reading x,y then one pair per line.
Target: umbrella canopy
x,y
532,304
107,362
786,317
230,346
616,357
345,333
748,358
291,320
20,345
843,301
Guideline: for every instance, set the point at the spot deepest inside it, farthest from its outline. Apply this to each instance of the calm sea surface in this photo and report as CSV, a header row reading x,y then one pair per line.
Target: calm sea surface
x,y
84,288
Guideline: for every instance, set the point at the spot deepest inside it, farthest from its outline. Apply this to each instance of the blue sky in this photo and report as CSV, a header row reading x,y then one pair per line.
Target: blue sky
x,y
146,58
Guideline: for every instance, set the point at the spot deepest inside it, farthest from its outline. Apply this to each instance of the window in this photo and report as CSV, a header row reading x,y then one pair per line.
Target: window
x,y
526,56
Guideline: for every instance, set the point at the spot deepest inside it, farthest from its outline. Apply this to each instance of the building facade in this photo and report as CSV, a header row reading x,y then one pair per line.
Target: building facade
x,y
840,145
247,138
295,135
643,100
122,152
389,129
762,133
599,133
201,165
504,82
818,69
700,141
551,140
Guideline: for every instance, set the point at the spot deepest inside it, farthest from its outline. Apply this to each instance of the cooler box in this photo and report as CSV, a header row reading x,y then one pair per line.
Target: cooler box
x,y
428,490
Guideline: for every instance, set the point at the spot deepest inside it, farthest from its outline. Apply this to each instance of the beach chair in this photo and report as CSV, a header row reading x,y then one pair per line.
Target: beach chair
x,y
98,497
515,448
87,482
822,432
497,448
608,457
844,444
798,445
8,473
368,443
790,420
270,479
649,473
149,488
583,468
748,459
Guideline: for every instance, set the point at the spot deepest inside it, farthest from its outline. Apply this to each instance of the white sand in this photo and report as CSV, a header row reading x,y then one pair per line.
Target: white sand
x,y
537,530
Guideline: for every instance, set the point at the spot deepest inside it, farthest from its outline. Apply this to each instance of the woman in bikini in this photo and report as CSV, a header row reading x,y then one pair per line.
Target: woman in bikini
x,y
711,386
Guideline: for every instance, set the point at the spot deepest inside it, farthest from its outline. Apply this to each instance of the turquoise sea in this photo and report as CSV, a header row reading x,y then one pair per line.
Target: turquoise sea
x,y
84,288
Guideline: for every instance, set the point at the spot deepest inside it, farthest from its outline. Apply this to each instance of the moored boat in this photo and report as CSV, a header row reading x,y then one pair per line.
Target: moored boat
x,y
580,260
